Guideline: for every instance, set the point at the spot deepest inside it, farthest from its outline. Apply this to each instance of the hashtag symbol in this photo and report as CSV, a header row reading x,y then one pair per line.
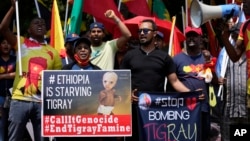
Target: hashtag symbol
x,y
157,101
46,119
47,128
52,79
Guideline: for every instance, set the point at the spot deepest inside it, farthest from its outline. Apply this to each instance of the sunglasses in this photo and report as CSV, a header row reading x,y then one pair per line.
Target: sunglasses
x,y
144,30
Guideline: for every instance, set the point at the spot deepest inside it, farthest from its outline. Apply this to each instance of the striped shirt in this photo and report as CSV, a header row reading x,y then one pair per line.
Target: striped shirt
x,y
236,94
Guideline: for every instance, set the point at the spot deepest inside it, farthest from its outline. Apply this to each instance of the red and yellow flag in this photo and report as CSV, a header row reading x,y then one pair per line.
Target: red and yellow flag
x,y
56,31
213,42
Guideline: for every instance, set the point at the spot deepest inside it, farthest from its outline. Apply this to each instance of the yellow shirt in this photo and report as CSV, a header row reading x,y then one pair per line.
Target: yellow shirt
x,y
35,58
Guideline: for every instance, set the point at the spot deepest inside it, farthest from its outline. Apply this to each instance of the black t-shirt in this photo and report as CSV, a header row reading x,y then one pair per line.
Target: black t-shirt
x,y
148,71
7,67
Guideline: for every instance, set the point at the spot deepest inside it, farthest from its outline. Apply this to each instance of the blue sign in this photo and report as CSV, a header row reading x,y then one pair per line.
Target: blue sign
x,y
169,116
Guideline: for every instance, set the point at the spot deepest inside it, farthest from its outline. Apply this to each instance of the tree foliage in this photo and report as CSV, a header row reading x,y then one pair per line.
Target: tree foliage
x,y
27,11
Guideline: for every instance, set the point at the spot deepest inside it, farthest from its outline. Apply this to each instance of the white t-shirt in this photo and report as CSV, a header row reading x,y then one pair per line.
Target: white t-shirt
x,y
104,55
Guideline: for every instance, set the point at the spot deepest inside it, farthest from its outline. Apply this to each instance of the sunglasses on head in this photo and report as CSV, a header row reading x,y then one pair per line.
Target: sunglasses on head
x,y
144,30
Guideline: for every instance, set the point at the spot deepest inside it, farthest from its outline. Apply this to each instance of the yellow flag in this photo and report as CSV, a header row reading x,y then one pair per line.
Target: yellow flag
x,y
56,31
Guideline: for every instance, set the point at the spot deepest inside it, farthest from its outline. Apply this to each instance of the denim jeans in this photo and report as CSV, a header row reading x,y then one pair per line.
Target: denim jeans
x,y
20,113
3,120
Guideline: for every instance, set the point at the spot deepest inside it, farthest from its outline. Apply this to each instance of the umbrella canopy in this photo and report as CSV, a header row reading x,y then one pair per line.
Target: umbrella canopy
x,y
162,25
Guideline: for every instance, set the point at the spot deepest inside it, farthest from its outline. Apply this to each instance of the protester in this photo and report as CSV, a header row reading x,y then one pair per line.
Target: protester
x,y
36,56
69,42
149,66
80,51
7,75
80,55
230,23
240,47
103,53
131,44
189,64
159,42
236,74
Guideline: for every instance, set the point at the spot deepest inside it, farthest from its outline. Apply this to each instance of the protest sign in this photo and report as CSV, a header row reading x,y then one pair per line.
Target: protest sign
x,y
86,103
169,116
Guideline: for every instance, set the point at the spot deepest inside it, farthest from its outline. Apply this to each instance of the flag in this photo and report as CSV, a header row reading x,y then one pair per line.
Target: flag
x,y
175,41
45,13
212,38
187,17
138,7
176,46
150,3
235,1
97,8
56,31
160,11
75,21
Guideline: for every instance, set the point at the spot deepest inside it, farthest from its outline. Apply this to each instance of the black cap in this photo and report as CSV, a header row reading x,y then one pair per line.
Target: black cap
x,y
80,40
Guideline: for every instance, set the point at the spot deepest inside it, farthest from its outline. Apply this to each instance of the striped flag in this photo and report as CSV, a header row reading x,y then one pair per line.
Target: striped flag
x,y
160,11
56,31
75,21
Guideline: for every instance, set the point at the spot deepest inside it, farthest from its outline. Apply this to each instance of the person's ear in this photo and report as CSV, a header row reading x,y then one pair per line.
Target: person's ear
x,y
155,33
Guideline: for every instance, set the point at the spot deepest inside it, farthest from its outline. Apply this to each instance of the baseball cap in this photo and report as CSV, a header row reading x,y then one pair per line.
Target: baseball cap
x,y
160,34
96,25
192,29
80,40
71,37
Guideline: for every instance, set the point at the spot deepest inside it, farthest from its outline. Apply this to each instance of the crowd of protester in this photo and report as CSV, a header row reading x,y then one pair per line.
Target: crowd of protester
x,y
20,97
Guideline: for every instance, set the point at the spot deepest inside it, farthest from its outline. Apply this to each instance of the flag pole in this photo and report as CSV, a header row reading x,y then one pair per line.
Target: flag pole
x,y
183,25
171,36
186,10
119,5
65,25
183,19
37,9
18,38
66,17
223,72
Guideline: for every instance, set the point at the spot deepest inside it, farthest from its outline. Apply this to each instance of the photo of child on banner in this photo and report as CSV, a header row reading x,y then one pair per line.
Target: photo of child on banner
x,y
108,96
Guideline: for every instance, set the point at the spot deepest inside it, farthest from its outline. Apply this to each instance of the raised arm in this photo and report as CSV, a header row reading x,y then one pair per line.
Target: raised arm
x,y
234,52
4,26
126,34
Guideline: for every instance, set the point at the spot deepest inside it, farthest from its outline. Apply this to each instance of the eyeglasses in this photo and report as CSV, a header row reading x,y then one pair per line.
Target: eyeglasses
x,y
144,30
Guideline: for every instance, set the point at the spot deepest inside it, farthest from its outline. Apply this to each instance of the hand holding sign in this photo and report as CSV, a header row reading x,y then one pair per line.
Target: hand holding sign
x,y
134,97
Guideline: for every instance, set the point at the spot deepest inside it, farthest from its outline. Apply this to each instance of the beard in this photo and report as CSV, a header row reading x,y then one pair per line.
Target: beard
x,y
146,43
